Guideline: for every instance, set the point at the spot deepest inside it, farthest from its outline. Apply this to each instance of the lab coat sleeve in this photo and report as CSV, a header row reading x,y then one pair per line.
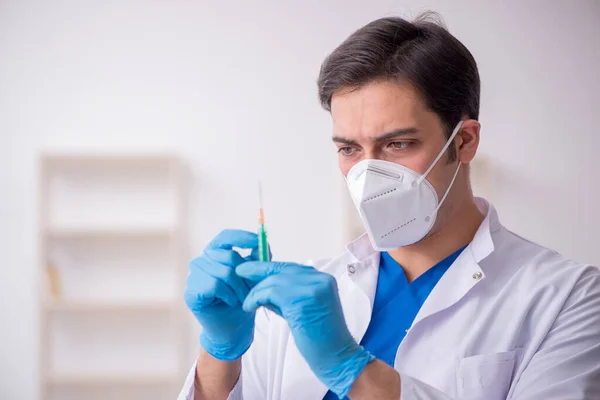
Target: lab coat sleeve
x,y
567,363
187,393
252,383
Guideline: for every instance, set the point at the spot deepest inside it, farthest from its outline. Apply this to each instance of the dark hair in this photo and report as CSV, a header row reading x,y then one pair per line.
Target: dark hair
x,y
422,52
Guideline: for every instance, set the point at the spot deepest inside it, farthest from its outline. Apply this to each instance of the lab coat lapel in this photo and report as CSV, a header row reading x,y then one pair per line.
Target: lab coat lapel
x,y
357,282
357,294
454,284
465,272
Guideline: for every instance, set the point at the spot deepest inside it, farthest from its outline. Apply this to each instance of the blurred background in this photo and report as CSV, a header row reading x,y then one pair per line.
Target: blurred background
x,y
131,132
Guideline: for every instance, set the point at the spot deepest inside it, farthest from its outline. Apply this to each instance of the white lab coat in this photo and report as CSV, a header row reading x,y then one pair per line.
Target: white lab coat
x,y
508,320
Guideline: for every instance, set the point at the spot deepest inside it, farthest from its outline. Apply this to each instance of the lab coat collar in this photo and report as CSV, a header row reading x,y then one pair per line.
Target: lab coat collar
x,y
482,244
361,248
463,275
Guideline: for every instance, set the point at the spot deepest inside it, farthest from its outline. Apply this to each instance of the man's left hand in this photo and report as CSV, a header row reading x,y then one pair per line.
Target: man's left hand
x,y
308,300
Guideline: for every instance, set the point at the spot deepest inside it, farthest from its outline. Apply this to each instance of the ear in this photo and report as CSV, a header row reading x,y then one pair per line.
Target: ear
x,y
468,140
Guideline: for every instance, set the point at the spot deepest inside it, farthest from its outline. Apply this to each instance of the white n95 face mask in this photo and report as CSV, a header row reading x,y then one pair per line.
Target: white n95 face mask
x,y
397,205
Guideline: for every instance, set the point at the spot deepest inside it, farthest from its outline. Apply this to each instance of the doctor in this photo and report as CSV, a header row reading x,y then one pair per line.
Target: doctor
x,y
438,300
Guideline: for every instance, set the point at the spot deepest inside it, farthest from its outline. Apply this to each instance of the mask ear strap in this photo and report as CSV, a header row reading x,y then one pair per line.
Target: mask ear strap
x,y
449,187
448,143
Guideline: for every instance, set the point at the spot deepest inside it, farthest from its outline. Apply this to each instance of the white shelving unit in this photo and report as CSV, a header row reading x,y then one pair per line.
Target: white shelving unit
x,y
112,246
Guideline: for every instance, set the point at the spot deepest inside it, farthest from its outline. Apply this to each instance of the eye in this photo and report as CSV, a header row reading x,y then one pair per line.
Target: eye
x,y
398,145
346,150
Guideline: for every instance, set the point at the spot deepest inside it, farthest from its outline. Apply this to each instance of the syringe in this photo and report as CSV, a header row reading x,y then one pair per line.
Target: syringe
x,y
263,246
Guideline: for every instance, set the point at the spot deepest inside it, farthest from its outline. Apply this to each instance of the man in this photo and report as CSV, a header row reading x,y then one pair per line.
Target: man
x,y
438,300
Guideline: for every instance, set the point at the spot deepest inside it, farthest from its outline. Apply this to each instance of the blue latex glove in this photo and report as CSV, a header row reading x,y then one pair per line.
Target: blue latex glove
x,y
214,294
308,300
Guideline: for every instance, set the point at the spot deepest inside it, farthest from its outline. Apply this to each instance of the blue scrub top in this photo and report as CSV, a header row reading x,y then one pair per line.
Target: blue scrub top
x,y
396,305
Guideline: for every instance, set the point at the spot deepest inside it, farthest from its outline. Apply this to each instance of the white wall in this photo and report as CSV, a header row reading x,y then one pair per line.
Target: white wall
x,y
230,86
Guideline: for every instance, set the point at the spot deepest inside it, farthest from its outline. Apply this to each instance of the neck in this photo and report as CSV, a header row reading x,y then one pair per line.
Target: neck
x,y
455,231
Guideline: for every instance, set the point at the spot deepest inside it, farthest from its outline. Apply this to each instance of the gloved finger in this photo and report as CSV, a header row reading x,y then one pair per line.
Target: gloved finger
x,y
257,270
266,293
203,289
232,258
274,309
230,238
223,273
224,293
255,255
229,258
277,291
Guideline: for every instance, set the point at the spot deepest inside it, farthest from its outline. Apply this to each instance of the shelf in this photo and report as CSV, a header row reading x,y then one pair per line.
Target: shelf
x,y
91,233
121,307
105,158
112,252
101,379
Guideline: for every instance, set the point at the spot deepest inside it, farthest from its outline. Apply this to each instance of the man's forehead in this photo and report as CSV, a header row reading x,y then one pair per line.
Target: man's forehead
x,y
375,109
378,95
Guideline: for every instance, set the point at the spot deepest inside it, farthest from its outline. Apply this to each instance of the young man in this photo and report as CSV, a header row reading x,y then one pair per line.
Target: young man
x,y
438,300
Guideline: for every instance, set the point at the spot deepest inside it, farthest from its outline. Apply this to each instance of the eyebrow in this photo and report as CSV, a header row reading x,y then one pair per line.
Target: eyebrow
x,y
386,136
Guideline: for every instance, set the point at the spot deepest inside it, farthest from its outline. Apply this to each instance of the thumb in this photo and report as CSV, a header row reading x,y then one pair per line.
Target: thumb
x,y
255,255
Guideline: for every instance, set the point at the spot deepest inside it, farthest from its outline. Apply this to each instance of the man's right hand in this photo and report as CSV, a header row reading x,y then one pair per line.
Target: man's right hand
x,y
215,294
